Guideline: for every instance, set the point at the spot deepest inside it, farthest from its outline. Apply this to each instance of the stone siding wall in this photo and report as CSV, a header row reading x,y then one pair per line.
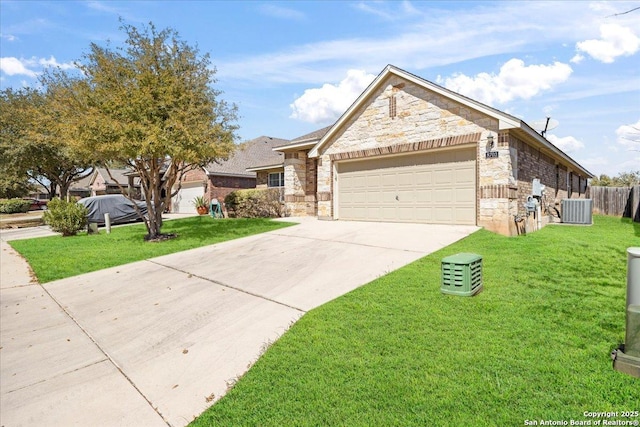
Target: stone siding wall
x,y
295,181
420,115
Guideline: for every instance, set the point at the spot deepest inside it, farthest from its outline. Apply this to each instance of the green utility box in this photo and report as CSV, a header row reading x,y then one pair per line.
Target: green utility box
x,y
462,274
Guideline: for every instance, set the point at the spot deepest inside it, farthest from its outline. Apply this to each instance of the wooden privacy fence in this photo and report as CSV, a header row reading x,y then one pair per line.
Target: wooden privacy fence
x,y
616,201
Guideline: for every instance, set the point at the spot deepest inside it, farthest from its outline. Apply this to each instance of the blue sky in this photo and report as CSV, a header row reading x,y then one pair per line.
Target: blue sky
x,y
293,67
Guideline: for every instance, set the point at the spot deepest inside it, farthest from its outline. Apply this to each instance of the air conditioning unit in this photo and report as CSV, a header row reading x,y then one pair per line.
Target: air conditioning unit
x,y
577,211
462,274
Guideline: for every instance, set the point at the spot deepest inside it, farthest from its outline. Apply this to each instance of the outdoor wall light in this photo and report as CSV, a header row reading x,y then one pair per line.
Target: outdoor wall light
x,y
490,141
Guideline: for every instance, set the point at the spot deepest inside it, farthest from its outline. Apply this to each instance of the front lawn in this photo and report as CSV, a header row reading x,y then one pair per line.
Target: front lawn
x,y
57,257
534,345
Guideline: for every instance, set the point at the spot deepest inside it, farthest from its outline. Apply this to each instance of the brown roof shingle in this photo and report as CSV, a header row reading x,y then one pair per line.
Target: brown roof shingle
x,y
253,153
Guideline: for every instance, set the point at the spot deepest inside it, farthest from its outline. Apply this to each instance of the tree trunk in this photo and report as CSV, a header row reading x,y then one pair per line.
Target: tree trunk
x,y
64,189
150,177
52,190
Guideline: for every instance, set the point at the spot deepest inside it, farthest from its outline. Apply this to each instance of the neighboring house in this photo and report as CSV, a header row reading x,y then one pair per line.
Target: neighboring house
x,y
273,175
102,183
409,150
218,179
81,188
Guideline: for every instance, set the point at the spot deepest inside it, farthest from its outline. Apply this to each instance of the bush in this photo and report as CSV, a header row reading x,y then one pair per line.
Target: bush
x,y
14,206
65,217
254,203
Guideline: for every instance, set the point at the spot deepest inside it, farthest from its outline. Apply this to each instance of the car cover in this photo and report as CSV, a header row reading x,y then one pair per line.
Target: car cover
x,y
119,208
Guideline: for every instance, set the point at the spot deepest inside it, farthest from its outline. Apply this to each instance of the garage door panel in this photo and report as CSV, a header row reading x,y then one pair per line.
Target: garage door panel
x,y
424,195
433,187
463,214
462,194
464,175
387,214
407,178
443,177
406,196
443,196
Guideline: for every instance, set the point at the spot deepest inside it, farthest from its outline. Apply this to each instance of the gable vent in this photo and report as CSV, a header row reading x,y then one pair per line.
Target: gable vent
x,y
392,106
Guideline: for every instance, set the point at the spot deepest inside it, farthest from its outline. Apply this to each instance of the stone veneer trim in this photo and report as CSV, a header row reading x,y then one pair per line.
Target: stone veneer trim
x,y
449,141
499,192
324,196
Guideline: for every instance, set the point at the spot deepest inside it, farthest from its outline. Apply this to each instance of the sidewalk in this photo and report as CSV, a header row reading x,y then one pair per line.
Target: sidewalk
x,y
14,270
51,370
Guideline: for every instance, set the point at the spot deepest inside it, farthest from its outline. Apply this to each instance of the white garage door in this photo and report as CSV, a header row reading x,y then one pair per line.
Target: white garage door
x,y
183,201
438,188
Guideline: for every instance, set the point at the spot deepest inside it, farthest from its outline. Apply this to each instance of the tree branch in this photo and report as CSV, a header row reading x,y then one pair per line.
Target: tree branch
x,y
624,13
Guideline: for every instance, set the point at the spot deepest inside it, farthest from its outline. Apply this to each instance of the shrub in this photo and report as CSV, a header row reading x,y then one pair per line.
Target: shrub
x,y
254,203
65,217
14,206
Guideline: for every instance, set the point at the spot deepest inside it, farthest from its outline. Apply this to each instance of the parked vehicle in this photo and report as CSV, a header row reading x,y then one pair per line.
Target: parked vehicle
x,y
37,204
120,209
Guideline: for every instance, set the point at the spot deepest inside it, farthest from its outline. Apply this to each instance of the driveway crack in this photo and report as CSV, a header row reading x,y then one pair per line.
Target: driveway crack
x,y
226,285
353,243
57,376
104,352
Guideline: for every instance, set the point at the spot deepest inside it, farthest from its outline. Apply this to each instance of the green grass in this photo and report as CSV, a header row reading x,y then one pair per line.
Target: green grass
x,y
534,345
57,257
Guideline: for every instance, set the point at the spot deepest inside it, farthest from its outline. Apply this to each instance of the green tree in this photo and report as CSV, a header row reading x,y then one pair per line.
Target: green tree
x,y
601,181
627,179
12,183
623,179
34,142
150,105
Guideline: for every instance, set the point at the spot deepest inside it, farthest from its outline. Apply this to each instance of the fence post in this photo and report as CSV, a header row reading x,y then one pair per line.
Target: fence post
x,y
635,203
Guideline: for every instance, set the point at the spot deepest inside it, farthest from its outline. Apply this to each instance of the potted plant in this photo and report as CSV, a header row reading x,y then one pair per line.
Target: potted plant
x,y
201,204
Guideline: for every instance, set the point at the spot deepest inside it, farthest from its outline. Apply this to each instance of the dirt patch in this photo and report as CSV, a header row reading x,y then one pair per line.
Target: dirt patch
x,y
161,237
21,222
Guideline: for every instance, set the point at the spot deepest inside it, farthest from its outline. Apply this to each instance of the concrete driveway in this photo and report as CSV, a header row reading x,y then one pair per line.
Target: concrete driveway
x,y
158,341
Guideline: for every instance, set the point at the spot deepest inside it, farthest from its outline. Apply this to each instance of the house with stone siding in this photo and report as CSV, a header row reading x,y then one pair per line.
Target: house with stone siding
x,y
409,150
220,178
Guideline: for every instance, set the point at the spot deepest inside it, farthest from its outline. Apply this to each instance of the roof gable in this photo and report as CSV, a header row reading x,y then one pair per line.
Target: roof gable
x,y
505,121
120,176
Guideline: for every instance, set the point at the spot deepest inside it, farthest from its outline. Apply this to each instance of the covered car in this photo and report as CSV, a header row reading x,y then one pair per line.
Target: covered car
x,y
119,208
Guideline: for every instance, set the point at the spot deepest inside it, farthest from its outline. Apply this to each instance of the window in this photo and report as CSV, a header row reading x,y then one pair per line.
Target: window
x,y
276,179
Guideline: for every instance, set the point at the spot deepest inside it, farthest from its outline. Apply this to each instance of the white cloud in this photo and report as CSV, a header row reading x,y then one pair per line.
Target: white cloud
x,y
326,104
577,58
629,136
282,12
112,8
515,80
14,66
568,144
389,11
8,37
615,40
419,36
51,62
30,67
